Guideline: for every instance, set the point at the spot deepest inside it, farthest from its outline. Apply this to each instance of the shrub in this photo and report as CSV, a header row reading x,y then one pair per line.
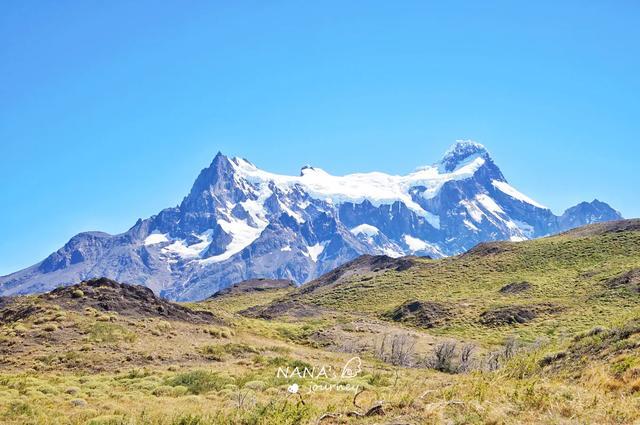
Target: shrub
x,y
77,293
107,420
399,351
378,379
19,408
19,329
239,349
163,390
552,357
199,381
110,333
442,357
212,352
78,402
255,385
72,390
218,352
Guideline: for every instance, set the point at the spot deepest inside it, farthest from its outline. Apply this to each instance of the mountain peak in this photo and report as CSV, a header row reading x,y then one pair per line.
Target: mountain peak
x,y
308,170
240,222
462,152
213,179
220,158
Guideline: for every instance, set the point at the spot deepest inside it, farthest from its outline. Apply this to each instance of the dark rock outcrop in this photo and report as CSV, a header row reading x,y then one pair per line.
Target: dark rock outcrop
x,y
426,314
128,300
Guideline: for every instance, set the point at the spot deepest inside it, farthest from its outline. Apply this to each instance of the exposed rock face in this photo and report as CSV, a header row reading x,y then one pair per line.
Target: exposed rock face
x,y
515,288
255,285
128,300
515,314
629,280
239,222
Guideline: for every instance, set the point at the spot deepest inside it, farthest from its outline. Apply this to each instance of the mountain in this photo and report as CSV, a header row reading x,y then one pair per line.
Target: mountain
x,y
239,222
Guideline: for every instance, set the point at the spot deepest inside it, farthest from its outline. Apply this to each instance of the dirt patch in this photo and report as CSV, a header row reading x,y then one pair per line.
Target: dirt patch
x,y
515,287
255,285
629,280
128,300
364,335
426,314
515,314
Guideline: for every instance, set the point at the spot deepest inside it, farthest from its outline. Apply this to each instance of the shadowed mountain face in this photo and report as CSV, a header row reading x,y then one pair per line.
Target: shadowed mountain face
x,y
239,222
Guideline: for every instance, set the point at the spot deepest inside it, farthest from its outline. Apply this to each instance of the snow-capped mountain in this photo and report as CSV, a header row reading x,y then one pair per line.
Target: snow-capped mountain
x,y
240,222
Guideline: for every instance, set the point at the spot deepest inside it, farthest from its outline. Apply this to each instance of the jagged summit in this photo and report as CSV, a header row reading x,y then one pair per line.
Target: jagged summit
x,y
240,222
463,151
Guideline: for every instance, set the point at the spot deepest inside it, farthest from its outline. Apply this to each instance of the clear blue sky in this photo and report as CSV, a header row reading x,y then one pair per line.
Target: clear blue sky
x,y
108,110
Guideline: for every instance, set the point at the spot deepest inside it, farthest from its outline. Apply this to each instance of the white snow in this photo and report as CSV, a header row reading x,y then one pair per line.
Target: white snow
x,y
480,206
473,210
314,251
433,219
415,244
296,216
243,232
155,238
526,229
391,252
285,248
489,204
365,229
378,188
242,235
182,250
470,225
512,192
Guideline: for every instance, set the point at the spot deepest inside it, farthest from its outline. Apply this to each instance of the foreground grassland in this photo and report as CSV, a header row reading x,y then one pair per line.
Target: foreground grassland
x,y
89,357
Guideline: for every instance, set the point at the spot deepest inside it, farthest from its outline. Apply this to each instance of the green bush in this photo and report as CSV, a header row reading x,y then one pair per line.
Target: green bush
x,y
107,420
110,333
199,381
218,352
50,327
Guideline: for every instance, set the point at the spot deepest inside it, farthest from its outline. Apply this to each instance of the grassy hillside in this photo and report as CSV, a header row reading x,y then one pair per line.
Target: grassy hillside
x,y
543,331
568,280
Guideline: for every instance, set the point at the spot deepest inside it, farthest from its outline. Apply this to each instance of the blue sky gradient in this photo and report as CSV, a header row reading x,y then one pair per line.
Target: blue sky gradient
x,y
108,110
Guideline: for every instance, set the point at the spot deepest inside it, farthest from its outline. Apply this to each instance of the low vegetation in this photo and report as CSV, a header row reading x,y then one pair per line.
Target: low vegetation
x,y
546,331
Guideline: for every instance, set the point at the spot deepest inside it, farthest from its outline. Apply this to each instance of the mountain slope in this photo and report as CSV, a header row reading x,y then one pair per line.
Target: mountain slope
x,y
555,285
239,222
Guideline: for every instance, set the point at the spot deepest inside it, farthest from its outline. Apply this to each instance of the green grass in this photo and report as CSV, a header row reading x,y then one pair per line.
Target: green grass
x,y
565,271
580,364
109,333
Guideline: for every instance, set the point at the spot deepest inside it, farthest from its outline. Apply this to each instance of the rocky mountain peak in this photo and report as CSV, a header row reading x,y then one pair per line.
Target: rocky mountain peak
x,y
240,222
462,153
